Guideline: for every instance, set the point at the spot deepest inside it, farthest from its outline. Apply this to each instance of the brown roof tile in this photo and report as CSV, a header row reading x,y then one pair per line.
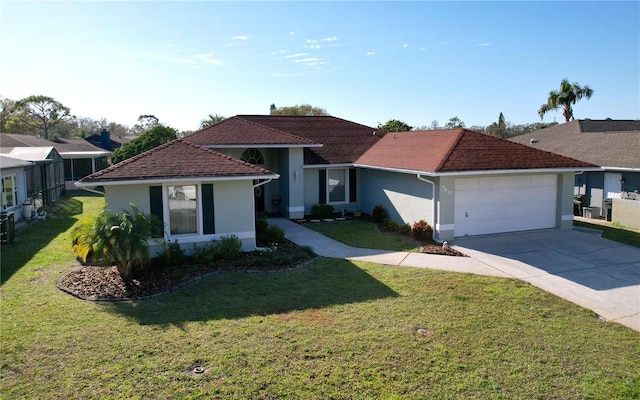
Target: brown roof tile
x,y
617,146
459,150
238,131
175,160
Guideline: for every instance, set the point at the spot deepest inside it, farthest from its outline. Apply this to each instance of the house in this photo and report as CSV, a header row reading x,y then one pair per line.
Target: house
x,y
461,182
614,145
45,179
200,194
108,142
81,158
13,177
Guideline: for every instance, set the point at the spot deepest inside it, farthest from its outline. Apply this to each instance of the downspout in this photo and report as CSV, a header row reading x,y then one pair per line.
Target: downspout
x,y
255,239
435,216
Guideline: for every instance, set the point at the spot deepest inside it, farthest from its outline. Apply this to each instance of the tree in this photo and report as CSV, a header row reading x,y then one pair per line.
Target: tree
x,y
435,125
8,112
145,122
210,120
272,108
565,98
119,238
42,113
154,137
302,109
454,123
393,125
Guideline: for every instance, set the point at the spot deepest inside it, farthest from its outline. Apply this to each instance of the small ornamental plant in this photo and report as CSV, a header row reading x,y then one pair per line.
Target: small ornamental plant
x,y
422,231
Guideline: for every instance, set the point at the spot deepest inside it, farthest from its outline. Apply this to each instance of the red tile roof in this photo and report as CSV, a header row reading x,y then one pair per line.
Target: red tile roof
x,y
459,150
342,141
238,131
177,159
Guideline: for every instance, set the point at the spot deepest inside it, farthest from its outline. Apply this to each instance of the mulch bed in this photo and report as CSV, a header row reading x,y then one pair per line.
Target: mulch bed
x,y
106,284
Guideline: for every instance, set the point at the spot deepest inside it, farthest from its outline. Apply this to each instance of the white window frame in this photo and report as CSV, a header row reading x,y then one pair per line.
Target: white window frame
x,y
14,192
167,215
346,186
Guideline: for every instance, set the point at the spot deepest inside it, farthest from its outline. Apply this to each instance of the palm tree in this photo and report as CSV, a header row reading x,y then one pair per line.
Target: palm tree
x,y
564,98
120,238
211,119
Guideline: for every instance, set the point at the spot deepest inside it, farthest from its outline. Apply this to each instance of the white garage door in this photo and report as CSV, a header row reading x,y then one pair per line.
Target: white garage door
x,y
504,204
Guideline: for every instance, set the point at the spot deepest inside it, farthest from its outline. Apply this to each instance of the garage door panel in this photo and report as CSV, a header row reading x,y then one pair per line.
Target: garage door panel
x,y
504,204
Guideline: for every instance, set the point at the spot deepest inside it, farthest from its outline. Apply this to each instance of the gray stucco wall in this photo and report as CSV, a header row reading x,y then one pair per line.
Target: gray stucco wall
x,y
21,186
234,210
406,199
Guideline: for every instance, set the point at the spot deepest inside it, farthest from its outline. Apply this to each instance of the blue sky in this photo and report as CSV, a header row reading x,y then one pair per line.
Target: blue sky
x,y
366,62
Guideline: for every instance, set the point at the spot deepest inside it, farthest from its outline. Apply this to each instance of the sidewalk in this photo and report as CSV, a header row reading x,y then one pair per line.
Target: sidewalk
x,y
577,265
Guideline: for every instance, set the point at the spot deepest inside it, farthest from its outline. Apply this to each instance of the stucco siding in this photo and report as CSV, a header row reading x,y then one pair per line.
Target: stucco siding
x,y
405,198
311,193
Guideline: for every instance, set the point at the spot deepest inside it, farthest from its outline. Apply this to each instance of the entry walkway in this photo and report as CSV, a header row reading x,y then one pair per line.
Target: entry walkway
x,y
579,266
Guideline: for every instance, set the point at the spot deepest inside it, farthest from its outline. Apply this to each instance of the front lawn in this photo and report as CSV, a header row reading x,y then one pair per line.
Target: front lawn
x,y
621,235
363,234
331,329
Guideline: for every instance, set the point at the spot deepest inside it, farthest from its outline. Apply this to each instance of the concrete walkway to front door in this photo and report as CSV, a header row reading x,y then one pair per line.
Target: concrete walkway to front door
x,y
577,265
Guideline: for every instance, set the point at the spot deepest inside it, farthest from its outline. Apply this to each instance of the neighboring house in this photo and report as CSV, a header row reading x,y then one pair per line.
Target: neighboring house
x,y
200,195
13,177
81,158
461,182
613,145
45,180
108,142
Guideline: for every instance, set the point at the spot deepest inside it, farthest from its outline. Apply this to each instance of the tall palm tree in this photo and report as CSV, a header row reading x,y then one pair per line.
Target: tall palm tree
x,y
564,98
210,120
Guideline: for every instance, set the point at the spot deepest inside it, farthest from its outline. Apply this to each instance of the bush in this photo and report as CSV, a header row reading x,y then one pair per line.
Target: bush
x,y
322,211
204,254
261,226
172,254
228,248
422,231
273,235
390,225
379,214
404,229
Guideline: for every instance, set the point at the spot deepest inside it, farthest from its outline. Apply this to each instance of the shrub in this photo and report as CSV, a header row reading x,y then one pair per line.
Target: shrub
x,y
261,226
404,229
228,248
422,231
172,254
273,235
322,211
204,253
390,225
379,214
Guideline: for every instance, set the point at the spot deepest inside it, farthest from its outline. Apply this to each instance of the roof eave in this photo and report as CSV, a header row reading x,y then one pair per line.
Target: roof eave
x,y
265,146
481,172
155,181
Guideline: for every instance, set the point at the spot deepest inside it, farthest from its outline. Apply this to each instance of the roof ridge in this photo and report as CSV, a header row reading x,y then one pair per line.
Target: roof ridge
x,y
222,155
449,151
547,152
274,129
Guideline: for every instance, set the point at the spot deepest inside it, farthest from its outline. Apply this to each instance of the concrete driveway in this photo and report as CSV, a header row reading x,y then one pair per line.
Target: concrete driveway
x,y
577,265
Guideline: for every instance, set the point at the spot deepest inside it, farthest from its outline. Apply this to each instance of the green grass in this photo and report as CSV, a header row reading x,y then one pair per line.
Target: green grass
x,y
331,329
364,234
621,235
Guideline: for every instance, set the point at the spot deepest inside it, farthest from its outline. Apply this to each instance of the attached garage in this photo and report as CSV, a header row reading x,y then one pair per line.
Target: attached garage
x,y
504,204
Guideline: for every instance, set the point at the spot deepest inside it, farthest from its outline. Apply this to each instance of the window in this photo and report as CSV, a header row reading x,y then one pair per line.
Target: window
x,y
337,184
253,156
183,209
9,192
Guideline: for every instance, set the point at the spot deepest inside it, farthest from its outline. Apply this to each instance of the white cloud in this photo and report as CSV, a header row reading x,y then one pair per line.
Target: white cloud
x,y
206,58
371,53
307,60
310,41
240,38
292,33
330,39
296,55
405,45
485,44
313,46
